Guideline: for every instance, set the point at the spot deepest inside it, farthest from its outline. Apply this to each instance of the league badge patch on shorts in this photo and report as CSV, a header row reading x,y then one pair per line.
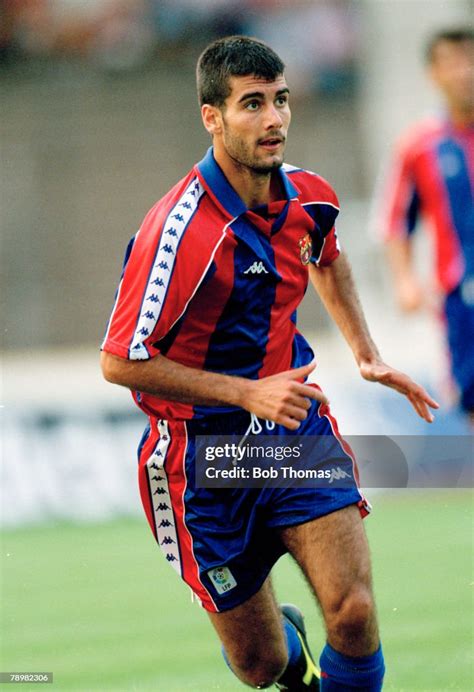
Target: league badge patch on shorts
x,y
306,248
222,578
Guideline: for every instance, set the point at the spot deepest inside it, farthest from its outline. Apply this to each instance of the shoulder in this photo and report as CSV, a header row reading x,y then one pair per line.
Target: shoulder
x,y
311,187
175,209
180,229
315,195
420,137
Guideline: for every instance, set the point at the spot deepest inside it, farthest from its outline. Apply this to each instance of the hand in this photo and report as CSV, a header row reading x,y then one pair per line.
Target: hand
x,y
417,396
283,398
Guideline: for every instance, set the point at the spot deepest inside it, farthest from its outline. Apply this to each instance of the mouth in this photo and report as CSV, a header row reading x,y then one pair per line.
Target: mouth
x,y
271,143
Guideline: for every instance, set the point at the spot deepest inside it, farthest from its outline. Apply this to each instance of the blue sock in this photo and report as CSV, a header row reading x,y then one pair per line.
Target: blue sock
x,y
292,642
340,673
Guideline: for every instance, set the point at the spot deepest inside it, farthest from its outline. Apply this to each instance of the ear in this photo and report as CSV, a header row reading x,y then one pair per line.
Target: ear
x,y
212,119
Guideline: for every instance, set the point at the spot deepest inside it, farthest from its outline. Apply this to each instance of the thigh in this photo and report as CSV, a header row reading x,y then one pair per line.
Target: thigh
x,y
252,631
333,553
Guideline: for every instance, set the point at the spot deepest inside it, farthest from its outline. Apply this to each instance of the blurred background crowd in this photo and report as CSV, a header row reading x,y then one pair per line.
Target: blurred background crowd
x,y
121,35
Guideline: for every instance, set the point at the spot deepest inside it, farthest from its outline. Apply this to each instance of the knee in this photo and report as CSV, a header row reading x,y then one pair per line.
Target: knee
x,y
259,669
353,614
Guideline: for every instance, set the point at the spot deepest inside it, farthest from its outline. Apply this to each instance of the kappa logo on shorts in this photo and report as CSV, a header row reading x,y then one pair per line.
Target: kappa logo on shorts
x,y
338,474
222,578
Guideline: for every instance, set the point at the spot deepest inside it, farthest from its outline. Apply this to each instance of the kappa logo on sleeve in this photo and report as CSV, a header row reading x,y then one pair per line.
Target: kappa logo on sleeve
x,y
222,578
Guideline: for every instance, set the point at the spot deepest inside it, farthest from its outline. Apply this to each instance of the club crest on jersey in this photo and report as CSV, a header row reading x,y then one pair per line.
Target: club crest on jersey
x,y
306,248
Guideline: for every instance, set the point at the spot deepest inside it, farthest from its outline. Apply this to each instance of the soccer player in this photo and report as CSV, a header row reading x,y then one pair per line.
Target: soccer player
x,y
203,332
432,176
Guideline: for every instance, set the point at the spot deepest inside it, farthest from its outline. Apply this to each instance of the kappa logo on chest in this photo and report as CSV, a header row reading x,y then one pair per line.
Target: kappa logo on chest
x,y
256,268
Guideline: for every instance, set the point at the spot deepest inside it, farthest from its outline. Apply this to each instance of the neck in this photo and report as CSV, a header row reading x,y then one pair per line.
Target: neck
x,y
254,189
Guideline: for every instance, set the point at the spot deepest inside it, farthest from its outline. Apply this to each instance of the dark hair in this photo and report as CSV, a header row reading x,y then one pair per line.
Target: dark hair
x,y
233,56
456,35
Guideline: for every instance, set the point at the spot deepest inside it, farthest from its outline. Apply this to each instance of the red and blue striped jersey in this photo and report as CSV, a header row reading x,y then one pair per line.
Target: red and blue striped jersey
x,y
213,285
433,175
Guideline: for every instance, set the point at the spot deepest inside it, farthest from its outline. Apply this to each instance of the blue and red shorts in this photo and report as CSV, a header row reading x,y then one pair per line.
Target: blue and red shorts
x,y
224,541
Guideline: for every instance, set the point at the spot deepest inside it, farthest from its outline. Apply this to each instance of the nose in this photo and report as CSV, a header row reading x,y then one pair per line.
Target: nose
x,y
273,118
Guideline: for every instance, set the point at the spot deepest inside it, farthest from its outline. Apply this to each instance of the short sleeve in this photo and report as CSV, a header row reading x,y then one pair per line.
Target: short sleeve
x,y
330,249
164,266
396,205
324,210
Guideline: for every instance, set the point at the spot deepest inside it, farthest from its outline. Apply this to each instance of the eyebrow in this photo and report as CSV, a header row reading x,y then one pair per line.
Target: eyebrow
x,y
260,94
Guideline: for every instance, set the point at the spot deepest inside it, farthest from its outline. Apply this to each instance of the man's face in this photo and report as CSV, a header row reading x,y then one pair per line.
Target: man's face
x,y
452,70
254,122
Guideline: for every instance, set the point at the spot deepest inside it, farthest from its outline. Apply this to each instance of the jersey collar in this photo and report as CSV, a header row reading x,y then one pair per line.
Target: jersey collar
x,y
222,192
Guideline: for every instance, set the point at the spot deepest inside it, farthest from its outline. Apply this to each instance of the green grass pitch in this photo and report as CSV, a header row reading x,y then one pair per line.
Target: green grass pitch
x,y
99,607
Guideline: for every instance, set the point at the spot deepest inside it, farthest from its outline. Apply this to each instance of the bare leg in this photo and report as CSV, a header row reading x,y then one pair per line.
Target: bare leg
x,y
334,555
253,638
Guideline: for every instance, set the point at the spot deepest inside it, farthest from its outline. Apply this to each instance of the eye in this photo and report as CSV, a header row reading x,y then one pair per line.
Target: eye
x,y
252,105
282,100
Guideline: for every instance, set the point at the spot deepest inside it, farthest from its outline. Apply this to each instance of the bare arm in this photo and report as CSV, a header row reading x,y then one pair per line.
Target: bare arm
x,y
281,398
408,290
337,290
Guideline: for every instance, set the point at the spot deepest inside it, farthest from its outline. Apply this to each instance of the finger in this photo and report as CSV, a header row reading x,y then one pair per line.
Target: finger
x,y
421,408
288,422
418,391
288,410
424,398
423,394
405,384
416,405
302,372
295,399
296,412
427,415
308,392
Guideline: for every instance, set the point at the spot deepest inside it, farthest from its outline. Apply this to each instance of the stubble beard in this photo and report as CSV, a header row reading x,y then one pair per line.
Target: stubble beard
x,y
242,157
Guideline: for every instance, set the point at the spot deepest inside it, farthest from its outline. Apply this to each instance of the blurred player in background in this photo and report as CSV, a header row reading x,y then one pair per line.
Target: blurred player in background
x,y
432,176
203,332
